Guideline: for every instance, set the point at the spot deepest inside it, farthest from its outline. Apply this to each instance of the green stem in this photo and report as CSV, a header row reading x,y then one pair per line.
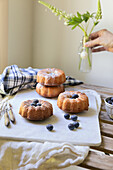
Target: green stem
x,y
45,4
87,26
85,39
82,29
92,29
87,49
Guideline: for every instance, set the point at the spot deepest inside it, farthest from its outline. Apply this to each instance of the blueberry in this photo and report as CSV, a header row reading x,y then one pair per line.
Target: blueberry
x,y
112,99
71,126
76,124
38,104
109,101
74,96
35,101
33,104
66,116
74,117
49,127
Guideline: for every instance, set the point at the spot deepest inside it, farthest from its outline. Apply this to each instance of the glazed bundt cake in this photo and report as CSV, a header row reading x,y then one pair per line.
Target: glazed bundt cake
x,y
73,101
49,91
51,77
36,109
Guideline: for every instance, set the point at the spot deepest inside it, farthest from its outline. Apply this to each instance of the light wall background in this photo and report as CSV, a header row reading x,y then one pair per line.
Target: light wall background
x,y
37,38
3,34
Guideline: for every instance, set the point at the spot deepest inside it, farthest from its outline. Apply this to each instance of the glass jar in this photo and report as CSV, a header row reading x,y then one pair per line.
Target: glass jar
x,y
85,56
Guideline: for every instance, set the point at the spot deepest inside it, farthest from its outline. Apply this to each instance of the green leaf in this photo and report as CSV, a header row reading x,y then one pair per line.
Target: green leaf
x,y
86,16
74,26
71,22
95,23
79,15
77,19
93,15
74,20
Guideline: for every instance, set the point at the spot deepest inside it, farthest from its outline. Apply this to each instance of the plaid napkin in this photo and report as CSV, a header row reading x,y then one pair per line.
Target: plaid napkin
x,y
14,79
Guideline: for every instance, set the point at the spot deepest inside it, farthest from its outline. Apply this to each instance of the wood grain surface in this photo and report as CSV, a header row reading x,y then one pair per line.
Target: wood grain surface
x,y
101,157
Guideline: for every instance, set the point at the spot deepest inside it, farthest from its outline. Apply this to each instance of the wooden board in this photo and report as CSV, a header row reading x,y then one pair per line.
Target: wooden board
x,y
87,134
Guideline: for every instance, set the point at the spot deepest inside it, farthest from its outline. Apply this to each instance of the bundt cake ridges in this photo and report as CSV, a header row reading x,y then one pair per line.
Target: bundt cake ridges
x,y
68,104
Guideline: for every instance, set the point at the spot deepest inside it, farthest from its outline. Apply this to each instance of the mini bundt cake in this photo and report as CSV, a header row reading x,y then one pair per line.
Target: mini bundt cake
x,y
49,91
73,101
36,109
51,77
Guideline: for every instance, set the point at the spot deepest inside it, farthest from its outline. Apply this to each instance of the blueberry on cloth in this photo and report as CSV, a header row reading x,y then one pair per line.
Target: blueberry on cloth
x,y
49,127
74,117
109,101
35,101
66,116
74,96
112,99
76,124
71,126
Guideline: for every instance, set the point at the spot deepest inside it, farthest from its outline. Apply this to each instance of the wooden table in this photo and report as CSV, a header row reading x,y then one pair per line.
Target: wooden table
x,y
101,157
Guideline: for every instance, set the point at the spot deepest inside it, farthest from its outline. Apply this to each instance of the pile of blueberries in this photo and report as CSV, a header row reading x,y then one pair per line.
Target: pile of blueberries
x,y
110,100
71,126
35,103
74,124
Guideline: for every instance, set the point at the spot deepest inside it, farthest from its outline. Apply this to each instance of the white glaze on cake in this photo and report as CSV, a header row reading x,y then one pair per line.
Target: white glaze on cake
x,y
51,77
73,105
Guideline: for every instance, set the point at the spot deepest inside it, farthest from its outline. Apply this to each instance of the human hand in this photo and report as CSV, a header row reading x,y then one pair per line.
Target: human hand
x,y
101,41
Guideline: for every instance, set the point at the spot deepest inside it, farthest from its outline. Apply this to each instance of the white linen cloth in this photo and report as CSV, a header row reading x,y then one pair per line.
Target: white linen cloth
x,y
15,155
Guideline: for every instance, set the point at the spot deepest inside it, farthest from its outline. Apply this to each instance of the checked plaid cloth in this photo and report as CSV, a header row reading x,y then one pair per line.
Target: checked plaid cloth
x,y
14,79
